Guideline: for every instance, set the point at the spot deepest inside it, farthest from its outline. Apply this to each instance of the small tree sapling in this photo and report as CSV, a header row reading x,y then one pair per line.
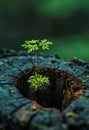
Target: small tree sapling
x,y
36,80
37,46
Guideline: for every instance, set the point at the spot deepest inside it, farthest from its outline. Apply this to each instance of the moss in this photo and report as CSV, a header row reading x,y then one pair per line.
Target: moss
x,y
71,114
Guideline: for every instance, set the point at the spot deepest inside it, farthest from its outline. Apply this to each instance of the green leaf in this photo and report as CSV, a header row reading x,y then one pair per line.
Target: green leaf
x,y
35,45
45,44
70,114
37,81
83,81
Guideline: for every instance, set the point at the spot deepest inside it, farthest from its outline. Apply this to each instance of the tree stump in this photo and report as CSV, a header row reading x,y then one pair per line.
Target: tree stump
x,y
64,105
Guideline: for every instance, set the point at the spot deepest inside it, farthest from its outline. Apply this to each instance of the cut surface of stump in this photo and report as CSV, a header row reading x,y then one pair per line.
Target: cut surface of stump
x,y
63,89
18,109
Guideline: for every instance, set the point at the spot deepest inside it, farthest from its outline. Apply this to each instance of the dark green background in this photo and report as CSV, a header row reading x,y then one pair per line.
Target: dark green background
x,y
64,22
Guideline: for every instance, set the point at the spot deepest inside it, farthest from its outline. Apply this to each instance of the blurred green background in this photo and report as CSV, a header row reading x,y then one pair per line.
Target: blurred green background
x,y
64,22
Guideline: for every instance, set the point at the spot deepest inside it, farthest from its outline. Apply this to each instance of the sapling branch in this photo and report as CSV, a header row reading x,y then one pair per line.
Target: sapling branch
x,y
36,45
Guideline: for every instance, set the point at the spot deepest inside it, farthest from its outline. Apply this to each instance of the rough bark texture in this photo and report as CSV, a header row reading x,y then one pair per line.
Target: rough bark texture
x,y
20,113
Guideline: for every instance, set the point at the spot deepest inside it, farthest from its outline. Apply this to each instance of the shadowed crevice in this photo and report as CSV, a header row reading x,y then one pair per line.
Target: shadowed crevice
x,y
63,88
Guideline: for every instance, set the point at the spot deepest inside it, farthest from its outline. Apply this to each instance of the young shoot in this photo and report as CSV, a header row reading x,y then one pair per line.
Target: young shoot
x,y
37,46
37,81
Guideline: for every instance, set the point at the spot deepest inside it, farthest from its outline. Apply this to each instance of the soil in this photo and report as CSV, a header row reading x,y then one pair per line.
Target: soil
x,y
62,105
